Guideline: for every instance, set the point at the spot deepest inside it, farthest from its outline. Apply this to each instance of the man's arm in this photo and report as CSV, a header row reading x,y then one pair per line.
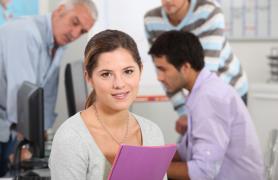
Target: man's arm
x,y
178,170
21,53
210,136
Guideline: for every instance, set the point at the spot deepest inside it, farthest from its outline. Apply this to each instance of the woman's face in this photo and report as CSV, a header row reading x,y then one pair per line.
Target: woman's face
x,y
116,79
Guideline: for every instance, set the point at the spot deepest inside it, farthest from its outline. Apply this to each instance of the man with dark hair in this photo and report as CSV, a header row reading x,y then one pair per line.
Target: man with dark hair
x,y
205,19
221,141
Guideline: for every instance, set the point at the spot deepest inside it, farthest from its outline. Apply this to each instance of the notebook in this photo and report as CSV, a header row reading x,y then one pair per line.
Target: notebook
x,y
142,162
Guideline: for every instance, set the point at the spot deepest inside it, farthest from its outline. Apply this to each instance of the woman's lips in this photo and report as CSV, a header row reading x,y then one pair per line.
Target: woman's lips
x,y
120,96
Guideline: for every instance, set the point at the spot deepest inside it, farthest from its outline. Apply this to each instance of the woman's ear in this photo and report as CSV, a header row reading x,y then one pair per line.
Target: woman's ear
x,y
87,78
141,68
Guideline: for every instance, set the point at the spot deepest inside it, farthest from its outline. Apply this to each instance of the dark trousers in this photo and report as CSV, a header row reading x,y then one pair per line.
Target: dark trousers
x,y
6,149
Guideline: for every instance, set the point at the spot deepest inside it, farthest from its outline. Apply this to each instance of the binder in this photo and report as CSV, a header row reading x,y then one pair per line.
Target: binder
x,y
142,162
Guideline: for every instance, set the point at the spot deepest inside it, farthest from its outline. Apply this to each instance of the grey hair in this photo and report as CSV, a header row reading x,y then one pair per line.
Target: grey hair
x,y
88,3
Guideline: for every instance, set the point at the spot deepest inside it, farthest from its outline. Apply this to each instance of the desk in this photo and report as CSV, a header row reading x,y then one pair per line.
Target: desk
x,y
42,172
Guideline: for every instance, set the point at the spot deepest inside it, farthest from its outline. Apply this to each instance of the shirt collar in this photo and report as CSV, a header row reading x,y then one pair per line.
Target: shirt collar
x,y
202,77
49,33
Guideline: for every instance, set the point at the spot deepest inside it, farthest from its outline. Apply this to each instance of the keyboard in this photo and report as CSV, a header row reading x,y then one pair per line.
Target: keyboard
x,y
37,174
34,164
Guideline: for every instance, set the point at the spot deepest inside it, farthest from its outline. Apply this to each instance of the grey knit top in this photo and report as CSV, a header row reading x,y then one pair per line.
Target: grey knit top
x,y
76,156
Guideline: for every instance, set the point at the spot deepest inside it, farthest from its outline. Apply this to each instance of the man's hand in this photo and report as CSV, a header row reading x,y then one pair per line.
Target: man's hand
x,y
25,153
181,124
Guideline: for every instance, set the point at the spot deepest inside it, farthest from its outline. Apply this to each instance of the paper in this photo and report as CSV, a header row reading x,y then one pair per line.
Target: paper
x,y
142,162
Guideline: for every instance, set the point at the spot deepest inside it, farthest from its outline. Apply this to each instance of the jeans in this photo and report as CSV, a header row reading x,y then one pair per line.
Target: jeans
x,y
6,149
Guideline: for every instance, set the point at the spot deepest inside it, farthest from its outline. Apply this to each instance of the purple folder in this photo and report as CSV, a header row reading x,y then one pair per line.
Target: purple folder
x,y
142,162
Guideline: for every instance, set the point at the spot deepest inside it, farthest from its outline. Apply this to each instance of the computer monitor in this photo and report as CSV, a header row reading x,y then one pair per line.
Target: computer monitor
x,y
76,87
30,111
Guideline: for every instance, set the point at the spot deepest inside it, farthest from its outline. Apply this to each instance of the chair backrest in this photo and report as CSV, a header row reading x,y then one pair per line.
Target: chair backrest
x,y
75,87
271,156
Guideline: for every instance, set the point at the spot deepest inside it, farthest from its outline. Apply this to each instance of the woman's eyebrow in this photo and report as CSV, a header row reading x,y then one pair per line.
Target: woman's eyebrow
x,y
128,67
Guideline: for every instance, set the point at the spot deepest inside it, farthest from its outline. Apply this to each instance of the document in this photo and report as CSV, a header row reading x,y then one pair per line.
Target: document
x,y
142,162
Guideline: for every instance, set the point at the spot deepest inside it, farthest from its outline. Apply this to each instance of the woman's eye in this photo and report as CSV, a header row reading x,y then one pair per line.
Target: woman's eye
x,y
106,75
129,71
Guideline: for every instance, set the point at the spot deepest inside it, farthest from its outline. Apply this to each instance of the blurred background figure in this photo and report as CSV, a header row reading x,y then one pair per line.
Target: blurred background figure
x,y
31,50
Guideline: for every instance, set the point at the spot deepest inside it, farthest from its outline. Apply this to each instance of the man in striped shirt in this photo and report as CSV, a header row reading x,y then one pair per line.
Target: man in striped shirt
x,y
205,19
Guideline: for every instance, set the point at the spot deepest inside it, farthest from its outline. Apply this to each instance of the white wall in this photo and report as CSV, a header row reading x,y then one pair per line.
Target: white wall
x,y
44,6
253,56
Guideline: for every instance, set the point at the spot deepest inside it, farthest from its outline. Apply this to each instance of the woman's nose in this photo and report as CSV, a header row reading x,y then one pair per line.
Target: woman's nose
x,y
118,82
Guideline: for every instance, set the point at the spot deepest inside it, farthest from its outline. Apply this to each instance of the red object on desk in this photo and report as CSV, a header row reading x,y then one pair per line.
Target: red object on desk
x,y
151,98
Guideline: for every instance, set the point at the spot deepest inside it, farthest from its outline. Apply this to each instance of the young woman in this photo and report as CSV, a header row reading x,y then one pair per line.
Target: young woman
x,y
85,146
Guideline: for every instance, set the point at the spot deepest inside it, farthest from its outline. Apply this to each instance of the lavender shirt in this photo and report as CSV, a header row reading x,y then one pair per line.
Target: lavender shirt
x,y
221,141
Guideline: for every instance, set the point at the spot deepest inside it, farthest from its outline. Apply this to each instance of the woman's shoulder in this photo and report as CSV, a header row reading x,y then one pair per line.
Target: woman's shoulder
x,y
145,122
150,130
70,128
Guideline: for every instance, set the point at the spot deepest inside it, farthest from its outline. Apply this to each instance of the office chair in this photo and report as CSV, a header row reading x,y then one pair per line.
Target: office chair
x,y
75,86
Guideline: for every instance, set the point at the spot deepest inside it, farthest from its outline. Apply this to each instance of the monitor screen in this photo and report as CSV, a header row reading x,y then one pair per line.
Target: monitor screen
x,y
30,111
75,86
